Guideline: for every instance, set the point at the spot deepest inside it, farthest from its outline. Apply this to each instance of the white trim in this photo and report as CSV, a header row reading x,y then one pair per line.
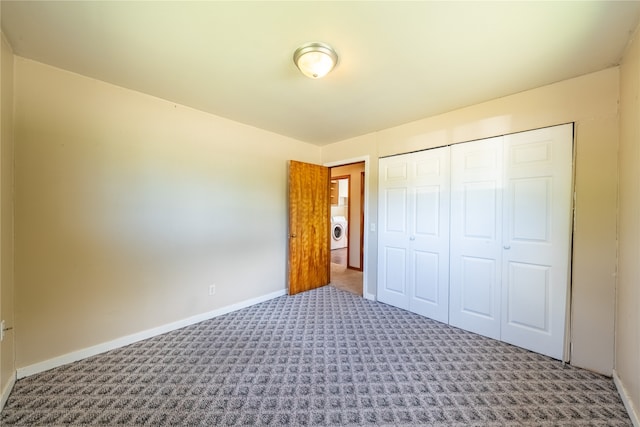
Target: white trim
x,y
365,253
628,404
130,339
369,296
7,391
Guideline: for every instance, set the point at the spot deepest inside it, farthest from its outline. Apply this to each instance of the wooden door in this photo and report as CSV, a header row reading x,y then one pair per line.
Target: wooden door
x,y
537,238
309,226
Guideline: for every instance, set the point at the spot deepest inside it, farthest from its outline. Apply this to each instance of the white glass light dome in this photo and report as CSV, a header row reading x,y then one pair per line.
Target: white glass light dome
x,y
315,59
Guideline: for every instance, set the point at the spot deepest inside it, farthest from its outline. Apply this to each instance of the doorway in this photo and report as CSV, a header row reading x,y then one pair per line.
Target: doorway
x,y
347,226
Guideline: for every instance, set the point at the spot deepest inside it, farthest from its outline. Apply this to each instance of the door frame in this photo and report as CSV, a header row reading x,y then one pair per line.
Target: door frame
x,y
366,292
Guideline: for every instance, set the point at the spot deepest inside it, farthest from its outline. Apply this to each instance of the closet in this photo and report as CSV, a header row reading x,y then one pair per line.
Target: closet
x,y
478,235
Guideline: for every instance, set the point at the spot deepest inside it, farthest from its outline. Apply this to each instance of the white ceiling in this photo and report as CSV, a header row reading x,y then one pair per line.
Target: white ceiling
x,y
399,61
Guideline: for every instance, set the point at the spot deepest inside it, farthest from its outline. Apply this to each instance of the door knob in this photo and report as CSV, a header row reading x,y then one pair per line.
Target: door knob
x,y
412,238
507,247
293,236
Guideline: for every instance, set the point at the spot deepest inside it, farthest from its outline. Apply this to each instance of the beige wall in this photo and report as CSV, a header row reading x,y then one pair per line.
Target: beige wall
x,y
591,102
628,297
7,352
128,207
354,220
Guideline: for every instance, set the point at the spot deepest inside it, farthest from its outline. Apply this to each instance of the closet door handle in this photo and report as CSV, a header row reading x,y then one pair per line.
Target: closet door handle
x,y
412,238
507,247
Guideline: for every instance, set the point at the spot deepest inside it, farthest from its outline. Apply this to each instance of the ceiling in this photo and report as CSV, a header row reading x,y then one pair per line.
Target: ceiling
x,y
399,61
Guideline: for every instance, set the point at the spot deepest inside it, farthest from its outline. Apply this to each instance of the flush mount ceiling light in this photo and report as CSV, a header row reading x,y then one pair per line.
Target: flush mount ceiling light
x,y
315,59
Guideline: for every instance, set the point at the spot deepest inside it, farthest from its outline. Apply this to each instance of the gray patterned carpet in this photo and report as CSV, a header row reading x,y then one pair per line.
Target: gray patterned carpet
x,y
325,357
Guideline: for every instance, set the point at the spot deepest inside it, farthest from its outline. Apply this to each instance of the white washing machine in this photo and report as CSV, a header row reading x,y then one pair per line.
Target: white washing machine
x,y
338,232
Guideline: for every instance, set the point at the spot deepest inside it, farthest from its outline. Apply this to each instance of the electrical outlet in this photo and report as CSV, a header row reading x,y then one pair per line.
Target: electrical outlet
x,y
212,289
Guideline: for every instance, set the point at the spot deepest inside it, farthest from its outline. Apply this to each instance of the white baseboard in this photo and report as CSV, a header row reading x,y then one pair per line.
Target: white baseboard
x,y
130,339
7,391
628,404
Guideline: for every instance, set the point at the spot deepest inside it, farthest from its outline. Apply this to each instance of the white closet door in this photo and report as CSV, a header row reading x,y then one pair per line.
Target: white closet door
x,y
476,236
537,238
393,229
413,235
429,238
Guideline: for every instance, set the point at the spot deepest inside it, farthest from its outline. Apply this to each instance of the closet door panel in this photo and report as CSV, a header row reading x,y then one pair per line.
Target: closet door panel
x,y
429,236
531,209
477,287
476,236
480,210
393,234
396,211
537,238
528,293
394,275
426,272
427,277
427,217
